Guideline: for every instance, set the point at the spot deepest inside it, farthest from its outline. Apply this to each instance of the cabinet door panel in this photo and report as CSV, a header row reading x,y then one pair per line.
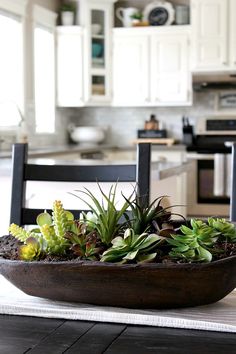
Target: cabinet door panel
x,y
209,22
232,33
169,66
69,68
130,70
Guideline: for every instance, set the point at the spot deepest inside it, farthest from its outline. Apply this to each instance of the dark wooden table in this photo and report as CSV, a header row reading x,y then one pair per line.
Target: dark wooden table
x,y
34,335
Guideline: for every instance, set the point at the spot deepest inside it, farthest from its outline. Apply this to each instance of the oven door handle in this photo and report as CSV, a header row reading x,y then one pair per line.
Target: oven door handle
x,y
219,175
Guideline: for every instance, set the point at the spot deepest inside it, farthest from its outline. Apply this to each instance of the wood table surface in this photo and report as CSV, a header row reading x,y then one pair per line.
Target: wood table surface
x,y
35,335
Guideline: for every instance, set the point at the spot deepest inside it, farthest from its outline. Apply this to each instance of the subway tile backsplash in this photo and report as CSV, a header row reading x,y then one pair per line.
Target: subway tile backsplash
x,y
122,123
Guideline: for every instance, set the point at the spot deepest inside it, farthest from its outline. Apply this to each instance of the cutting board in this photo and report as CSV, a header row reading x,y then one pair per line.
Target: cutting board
x,y
161,141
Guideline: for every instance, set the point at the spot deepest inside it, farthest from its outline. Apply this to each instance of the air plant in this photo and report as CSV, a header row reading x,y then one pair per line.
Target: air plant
x,y
153,217
108,219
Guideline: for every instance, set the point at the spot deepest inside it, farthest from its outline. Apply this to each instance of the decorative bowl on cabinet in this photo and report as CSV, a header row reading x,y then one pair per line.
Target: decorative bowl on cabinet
x,y
149,285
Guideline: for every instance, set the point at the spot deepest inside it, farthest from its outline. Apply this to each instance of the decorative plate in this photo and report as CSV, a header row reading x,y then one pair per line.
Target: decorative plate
x,y
159,13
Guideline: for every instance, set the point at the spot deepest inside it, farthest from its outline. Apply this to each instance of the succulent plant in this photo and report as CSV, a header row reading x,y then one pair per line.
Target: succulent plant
x,y
49,237
108,219
151,218
227,229
19,233
103,235
31,250
83,243
132,247
194,243
68,7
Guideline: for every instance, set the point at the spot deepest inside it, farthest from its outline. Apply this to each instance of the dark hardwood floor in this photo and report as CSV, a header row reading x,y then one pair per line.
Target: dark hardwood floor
x,y
35,335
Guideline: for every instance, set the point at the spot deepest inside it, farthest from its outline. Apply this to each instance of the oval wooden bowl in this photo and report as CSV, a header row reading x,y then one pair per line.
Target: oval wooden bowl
x,y
135,286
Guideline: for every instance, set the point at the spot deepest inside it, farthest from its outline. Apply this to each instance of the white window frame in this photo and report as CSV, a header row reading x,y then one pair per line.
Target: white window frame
x,y
18,8
45,18
15,6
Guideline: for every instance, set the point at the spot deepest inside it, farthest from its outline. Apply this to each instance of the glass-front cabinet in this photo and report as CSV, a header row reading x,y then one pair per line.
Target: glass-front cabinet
x,y
98,51
97,19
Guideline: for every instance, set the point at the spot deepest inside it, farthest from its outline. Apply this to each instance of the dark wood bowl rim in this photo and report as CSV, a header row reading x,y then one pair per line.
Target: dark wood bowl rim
x,y
99,264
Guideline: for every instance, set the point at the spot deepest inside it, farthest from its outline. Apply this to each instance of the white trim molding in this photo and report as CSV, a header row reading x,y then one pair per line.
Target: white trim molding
x,y
15,6
44,16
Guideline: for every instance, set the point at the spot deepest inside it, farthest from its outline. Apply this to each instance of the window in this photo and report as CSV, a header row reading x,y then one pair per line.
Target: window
x,y
11,69
44,70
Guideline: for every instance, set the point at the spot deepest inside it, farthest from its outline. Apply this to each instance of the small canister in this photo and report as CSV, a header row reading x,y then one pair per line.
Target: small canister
x,y
182,14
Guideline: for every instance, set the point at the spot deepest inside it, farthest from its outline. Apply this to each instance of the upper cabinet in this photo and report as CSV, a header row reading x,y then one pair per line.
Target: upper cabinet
x,y
84,56
213,40
232,32
130,68
69,67
151,66
96,17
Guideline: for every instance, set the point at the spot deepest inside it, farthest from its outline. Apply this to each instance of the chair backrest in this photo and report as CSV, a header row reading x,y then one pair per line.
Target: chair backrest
x,y
22,171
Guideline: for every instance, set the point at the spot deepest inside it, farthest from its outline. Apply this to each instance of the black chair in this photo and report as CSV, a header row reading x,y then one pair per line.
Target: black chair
x,y
22,172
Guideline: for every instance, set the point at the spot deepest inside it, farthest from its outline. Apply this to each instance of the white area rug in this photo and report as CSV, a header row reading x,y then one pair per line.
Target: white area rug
x,y
220,316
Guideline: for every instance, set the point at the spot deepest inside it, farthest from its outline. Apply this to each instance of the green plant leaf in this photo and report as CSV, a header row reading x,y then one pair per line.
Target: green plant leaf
x,y
146,258
131,255
204,254
44,218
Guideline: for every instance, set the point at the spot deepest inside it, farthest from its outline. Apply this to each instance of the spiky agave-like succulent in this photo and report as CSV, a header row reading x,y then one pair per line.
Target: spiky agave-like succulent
x,y
153,217
132,247
108,219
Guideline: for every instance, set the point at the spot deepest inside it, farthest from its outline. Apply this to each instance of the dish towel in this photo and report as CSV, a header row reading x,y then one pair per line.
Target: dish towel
x,y
219,175
220,316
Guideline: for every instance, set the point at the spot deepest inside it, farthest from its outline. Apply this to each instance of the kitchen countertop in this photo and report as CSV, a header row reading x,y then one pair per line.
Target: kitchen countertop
x,y
68,149
160,170
51,155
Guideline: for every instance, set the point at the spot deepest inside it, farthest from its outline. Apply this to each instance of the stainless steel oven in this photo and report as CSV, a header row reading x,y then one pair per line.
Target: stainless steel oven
x,y
209,179
209,185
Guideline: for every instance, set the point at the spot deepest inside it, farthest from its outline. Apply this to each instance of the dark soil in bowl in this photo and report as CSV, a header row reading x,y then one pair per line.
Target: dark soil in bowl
x,y
9,246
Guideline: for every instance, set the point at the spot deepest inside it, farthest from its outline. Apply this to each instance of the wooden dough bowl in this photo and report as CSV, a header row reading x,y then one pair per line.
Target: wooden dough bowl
x,y
153,285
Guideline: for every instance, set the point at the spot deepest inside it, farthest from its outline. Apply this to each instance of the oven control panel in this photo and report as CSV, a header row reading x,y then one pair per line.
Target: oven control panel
x,y
216,125
220,124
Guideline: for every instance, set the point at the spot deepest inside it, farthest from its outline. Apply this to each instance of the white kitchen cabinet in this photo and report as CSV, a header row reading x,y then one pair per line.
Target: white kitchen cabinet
x,y
168,155
213,29
232,34
69,66
84,56
130,69
170,75
174,188
96,17
151,66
